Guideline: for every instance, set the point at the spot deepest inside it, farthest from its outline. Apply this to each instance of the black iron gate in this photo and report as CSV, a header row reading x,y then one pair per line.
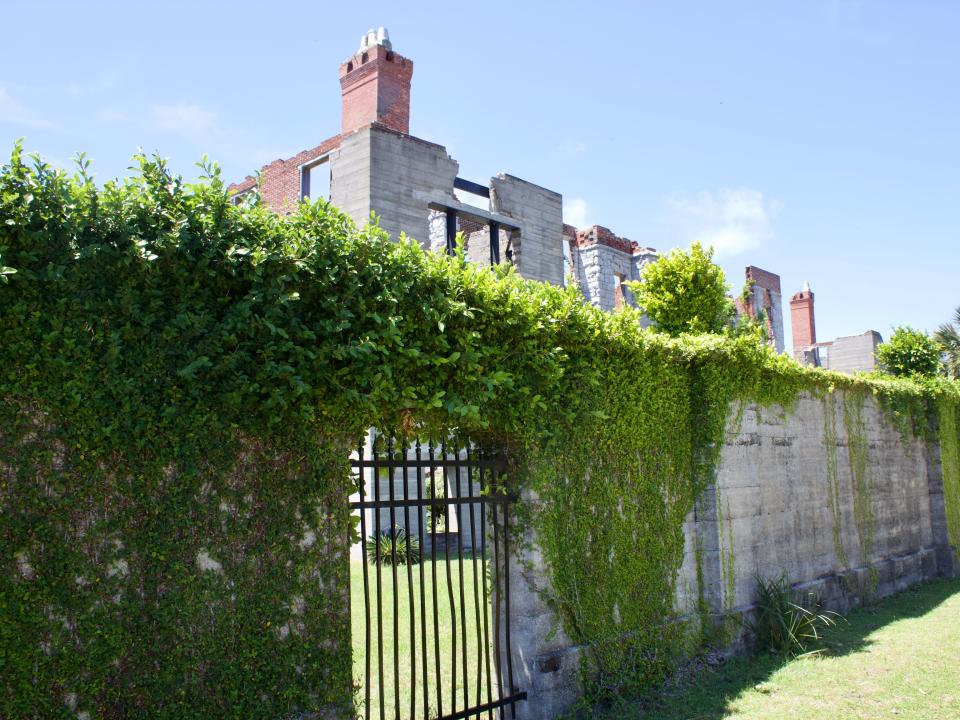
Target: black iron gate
x,y
435,611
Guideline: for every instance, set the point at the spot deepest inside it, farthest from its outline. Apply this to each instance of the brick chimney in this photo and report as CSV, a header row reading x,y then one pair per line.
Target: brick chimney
x,y
801,317
375,85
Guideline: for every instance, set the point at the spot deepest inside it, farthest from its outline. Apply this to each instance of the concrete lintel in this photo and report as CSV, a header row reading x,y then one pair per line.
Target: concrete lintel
x,y
472,211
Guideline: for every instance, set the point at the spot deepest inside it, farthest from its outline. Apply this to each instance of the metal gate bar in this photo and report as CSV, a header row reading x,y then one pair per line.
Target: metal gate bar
x,y
472,478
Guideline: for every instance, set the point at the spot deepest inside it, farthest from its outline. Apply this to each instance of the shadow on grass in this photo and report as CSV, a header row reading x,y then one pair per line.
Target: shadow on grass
x,y
702,692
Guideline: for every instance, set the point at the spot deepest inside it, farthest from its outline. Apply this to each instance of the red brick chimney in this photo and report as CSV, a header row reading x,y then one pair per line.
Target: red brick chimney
x,y
375,85
801,318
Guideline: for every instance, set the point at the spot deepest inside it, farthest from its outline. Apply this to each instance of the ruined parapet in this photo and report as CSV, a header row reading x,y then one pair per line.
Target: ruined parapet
x,y
374,166
850,353
537,251
603,262
762,299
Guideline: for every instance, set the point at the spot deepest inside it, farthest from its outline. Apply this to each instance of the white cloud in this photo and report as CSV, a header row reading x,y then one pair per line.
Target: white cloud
x,y
730,220
182,118
13,112
575,212
572,148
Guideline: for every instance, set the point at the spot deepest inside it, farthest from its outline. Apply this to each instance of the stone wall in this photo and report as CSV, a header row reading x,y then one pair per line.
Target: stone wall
x,y
792,495
602,262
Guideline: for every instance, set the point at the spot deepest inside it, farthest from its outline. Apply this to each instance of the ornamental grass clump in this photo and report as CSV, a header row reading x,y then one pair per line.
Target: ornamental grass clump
x,y
785,625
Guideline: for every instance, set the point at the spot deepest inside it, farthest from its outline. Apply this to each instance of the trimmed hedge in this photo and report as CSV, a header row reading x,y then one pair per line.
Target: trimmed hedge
x,y
181,380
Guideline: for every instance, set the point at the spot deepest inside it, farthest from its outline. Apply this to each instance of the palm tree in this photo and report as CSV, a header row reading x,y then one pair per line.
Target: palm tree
x,y
948,335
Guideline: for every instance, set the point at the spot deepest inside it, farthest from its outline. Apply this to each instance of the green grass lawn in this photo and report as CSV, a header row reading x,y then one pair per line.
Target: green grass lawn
x,y
411,673
899,658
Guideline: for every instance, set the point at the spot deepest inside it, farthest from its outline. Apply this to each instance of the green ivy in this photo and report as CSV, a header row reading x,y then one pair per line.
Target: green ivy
x,y
950,464
857,448
833,484
181,380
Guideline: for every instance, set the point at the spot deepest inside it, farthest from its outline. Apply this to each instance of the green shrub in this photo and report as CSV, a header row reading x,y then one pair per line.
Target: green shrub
x,y
908,353
685,292
393,544
786,624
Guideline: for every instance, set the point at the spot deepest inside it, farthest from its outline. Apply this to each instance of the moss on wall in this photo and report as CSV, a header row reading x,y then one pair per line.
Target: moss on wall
x,y
833,484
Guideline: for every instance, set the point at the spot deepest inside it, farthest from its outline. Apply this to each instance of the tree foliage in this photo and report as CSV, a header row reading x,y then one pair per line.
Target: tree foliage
x,y
948,335
909,352
685,292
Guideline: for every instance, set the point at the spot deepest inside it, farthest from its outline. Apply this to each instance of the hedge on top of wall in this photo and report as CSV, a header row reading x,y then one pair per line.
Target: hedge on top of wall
x,y
180,381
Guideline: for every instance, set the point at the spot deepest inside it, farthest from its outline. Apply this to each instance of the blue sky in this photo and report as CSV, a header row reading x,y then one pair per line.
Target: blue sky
x,y
819,140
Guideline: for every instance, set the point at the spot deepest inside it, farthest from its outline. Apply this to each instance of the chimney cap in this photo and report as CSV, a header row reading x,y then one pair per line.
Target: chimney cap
x,y
806,286
372,38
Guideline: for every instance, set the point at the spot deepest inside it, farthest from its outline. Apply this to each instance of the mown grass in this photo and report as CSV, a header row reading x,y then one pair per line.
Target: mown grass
x,y
898,658
409,650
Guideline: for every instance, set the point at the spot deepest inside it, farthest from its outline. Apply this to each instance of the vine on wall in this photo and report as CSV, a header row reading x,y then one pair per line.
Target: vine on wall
x,y
950,465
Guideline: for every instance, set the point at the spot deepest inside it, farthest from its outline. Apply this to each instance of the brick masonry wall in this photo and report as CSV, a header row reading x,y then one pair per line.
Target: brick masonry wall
x,y
802,322
375,86
599,257
280,180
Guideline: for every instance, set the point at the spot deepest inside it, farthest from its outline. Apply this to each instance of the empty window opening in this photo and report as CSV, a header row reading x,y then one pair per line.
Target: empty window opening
x,y
568,270
246,197
315,180
471,193
619,300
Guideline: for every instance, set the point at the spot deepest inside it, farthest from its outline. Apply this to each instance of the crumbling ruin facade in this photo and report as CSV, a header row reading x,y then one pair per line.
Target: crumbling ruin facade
x,y
374,166
761,301
412,185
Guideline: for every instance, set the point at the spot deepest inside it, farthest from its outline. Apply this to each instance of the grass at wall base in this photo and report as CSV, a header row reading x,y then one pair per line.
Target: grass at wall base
x,y
181,379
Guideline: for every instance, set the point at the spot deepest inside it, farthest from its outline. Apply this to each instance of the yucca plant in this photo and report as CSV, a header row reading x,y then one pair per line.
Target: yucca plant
x,y
393,544
786,626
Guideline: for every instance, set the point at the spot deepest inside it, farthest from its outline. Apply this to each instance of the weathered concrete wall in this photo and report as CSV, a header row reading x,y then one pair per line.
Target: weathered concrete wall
x,y
406,175
538,250
395,176
789,497
853,353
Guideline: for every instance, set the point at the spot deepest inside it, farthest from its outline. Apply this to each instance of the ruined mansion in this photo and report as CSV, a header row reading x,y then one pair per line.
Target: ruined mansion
x,y
413,186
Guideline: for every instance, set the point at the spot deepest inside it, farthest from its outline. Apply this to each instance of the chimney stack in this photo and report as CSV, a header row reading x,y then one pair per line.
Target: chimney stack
x,y
375,85
801,317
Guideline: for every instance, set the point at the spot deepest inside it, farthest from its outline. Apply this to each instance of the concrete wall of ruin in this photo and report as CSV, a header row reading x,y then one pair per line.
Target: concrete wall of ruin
x,y
776,506
538,249
393,175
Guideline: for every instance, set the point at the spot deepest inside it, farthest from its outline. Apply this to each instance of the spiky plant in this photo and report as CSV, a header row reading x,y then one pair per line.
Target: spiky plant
x,y
786,626
392,545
